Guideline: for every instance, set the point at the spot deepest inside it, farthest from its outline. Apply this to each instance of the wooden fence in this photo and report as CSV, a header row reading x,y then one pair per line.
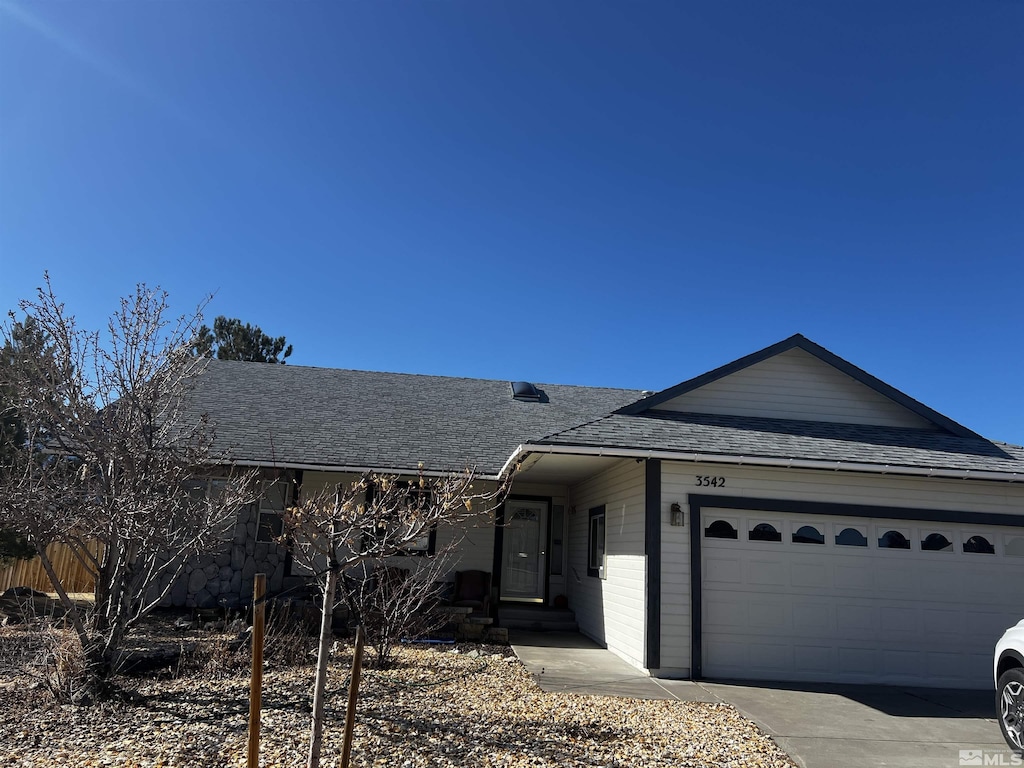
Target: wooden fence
x,y
30,573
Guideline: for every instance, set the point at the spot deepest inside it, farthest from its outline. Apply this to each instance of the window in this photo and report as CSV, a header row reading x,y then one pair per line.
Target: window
x,y
270,523
206,492
596,542
893,540
1014,546
720,529
556,525
979,545
764,532
808,534
851,537
412,497
936,542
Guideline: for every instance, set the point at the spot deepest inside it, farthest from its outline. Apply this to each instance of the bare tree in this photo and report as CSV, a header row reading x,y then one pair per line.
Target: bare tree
x,y
366,524
112,463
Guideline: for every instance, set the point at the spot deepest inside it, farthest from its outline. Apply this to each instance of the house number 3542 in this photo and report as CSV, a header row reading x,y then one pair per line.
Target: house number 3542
x,y
709,480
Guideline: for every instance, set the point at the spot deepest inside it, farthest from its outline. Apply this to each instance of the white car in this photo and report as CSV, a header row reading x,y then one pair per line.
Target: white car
x,y
1009,676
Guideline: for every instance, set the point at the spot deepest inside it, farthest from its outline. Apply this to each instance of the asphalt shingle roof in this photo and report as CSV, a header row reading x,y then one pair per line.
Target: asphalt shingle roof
x,y
295,415
321,416
793,439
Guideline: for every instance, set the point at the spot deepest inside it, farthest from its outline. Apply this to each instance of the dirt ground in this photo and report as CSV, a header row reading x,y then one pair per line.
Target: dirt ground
x,y
438,706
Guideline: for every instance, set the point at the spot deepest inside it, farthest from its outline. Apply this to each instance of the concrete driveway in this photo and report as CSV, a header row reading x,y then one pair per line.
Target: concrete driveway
x,y
819,726
855,726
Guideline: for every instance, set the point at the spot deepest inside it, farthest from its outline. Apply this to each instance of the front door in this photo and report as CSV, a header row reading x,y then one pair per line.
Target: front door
x,y
524,555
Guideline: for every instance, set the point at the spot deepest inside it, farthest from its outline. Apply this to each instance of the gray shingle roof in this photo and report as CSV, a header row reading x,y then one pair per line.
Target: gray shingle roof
x,y
791,439
320,416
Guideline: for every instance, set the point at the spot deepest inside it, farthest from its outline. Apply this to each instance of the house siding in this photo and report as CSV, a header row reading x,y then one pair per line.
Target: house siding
x,y
680,479
474,552
796,385
611,610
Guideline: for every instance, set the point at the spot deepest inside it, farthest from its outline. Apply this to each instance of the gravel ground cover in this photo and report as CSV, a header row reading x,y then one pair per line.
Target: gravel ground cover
x,y
474,707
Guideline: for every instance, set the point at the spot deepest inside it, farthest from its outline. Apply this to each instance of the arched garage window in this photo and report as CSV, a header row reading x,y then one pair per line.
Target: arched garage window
x,y
893,540
851,537
979,545
720,529
764,532
936,542
808,534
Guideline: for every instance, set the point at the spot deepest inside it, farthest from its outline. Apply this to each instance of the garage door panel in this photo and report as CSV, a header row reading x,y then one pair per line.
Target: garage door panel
x,y
895,580
856,577
816,659
724,570
770,616
756,657
813,619
857,614
769,659
939,622
766,573
984,623
855,620
857,662
899,620
810,574
906,663
721,615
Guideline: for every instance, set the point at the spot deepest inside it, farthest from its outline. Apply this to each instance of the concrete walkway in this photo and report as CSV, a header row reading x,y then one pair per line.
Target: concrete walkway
x,y
819,726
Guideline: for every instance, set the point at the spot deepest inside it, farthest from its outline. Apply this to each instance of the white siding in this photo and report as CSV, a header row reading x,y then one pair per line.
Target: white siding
x,y
675,577
679,480
611,610
475,551
796,385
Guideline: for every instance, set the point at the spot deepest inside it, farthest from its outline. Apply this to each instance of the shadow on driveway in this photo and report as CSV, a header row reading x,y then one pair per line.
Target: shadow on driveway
x,y
897,701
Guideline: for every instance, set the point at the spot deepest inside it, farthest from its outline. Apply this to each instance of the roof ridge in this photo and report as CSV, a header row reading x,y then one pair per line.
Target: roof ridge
x,y
445,377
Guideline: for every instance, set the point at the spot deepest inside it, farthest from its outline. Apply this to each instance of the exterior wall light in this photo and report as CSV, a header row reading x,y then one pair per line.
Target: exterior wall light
x,y
677,514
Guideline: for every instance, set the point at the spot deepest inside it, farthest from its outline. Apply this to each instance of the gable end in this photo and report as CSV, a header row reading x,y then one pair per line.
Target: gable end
x,y
884,395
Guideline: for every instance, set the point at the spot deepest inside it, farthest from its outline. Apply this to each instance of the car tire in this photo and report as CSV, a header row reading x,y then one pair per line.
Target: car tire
x,y
1010,707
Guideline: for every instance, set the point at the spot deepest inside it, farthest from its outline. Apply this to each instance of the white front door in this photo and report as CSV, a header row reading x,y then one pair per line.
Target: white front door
x,y
524,556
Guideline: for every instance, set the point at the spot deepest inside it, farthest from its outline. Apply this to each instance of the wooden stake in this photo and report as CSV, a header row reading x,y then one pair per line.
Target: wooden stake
x,y
259,591
353,695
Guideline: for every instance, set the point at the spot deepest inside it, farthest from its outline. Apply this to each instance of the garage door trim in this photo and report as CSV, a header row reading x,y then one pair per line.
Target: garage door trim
x,y
697,502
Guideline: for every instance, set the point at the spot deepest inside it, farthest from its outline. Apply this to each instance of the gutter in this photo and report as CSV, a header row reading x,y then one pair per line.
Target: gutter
x,y
358,470
524,450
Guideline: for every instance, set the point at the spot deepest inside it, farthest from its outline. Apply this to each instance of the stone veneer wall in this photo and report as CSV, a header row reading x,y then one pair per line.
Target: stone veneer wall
x,y
225,578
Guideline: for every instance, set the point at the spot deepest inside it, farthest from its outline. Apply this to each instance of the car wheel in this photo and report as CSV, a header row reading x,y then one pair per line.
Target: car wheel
x,y
1010,706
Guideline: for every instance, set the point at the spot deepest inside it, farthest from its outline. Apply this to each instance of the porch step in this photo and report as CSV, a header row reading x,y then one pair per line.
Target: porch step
x,y
537,618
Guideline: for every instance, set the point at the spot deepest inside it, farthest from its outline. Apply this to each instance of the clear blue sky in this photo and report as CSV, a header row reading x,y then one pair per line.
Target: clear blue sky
x,y
617,193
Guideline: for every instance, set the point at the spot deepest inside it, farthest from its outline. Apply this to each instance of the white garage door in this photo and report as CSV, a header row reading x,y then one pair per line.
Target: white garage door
x,y
793,597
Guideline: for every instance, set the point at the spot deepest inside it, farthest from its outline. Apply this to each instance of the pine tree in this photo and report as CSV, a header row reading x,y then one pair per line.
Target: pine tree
x,y
24,339
230,339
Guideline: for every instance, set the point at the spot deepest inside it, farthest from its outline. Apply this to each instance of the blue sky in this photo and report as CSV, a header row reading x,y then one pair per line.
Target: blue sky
x,y
621,193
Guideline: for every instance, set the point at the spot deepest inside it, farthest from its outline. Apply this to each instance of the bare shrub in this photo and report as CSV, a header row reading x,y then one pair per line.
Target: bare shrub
x,y
290,633
66,669
395,604
215,659
289,641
